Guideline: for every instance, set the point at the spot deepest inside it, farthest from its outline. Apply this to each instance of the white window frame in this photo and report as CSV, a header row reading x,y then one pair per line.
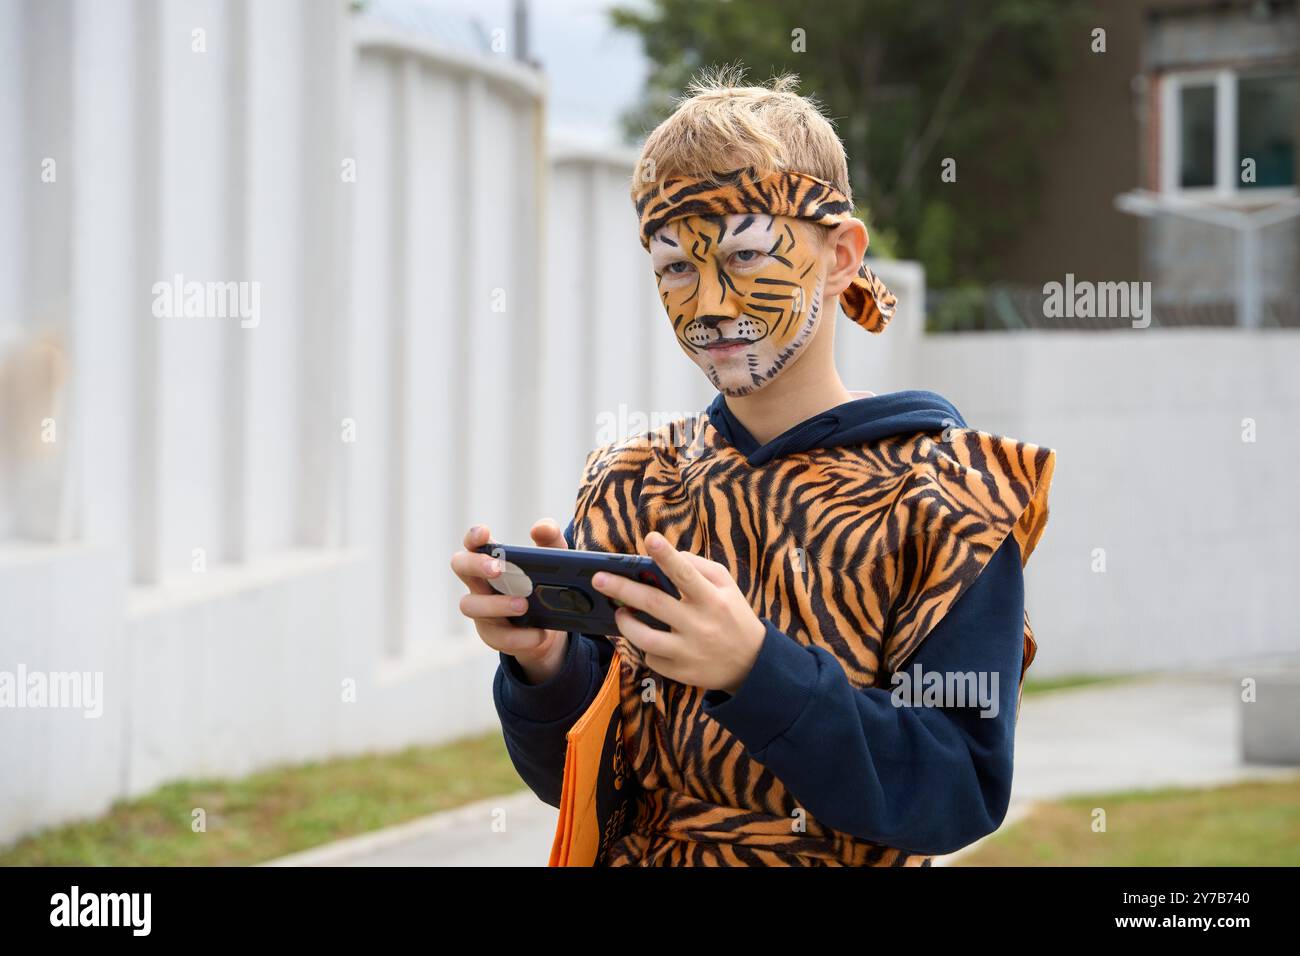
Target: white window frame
x,y
1227,173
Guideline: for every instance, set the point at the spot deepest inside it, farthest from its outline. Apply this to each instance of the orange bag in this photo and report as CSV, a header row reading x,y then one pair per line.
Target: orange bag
x,y
598,797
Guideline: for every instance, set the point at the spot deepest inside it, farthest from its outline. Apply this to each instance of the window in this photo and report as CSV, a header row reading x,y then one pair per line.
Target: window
x,y
1266,128
1229,133
1196,136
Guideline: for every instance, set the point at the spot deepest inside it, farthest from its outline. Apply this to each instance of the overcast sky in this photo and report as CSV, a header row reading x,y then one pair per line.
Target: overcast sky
x,y
594,72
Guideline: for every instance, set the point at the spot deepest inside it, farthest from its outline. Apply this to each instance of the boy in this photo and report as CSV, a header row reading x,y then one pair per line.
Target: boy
x,y
831,548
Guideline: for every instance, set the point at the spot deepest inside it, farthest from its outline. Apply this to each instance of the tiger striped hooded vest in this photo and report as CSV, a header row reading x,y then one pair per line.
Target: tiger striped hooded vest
x,y
859,549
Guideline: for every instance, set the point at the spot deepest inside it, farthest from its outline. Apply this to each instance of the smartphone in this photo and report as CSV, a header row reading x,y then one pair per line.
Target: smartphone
x,y
557,583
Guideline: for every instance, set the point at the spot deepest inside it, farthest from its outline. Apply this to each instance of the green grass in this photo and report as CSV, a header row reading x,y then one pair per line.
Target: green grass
x,y
277,812
1069,683
288,809
1249,824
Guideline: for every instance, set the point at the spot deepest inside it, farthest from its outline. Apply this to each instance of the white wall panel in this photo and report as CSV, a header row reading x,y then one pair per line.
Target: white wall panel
x,y
102,279
274,201
193,204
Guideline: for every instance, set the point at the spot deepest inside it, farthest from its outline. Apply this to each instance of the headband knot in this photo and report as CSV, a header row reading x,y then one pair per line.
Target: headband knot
x,y
867,301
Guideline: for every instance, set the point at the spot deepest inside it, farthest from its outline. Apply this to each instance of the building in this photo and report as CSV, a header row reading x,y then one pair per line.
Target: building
x,y
1175,162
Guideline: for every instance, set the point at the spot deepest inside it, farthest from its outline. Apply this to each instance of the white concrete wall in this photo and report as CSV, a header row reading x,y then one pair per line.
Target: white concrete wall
x,y
61,611
232,563
1202,546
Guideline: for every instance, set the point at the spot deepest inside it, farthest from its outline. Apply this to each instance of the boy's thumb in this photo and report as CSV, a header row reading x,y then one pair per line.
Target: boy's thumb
x,y
548,534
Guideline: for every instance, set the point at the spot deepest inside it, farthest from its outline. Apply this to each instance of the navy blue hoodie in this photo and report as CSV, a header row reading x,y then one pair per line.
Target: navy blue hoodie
x,y
925,779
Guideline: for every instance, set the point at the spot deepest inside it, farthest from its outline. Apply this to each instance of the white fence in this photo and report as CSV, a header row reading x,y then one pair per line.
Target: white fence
x,y
250,526
251,542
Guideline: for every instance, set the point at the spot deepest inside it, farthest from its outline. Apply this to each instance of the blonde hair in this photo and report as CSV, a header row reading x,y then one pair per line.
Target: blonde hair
x,y
720,125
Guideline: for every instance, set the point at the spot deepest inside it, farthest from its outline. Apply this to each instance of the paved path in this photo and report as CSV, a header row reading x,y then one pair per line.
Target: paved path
x,y
1168,731
513,830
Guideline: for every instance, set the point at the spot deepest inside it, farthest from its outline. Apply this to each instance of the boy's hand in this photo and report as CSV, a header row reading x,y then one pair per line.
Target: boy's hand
x,y
715,635
539,652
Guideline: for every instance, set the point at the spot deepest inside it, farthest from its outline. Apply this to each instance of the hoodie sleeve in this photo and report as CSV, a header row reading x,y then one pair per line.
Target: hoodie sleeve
x,y
536,717
926,779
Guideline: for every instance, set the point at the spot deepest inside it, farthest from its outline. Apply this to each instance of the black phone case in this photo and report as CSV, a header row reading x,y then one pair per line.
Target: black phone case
x,y
557,568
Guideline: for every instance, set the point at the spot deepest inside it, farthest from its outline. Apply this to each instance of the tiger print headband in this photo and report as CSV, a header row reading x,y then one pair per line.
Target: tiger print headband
x,y
866,301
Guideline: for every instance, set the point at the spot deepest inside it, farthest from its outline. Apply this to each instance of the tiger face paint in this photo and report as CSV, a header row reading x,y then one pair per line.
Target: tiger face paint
x,y
743,292
867,301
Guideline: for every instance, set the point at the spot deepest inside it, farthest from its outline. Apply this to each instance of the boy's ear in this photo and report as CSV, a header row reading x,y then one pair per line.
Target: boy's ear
x,y
846,242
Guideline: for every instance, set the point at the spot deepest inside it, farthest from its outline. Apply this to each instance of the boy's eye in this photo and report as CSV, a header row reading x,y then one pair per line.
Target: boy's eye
x,y
679,268
746,256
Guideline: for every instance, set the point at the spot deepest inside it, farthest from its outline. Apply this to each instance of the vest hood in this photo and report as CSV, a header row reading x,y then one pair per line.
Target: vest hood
x,y
856,422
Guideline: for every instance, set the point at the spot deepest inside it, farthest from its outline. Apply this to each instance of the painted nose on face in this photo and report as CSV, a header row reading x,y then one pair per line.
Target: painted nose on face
x,y
707,329
719,301
716,326
713,320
